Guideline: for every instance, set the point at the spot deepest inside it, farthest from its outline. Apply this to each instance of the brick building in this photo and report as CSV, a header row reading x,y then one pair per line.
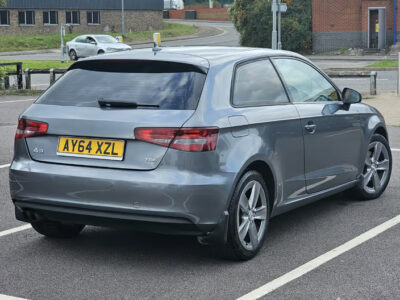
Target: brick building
x,y
355,23
24,17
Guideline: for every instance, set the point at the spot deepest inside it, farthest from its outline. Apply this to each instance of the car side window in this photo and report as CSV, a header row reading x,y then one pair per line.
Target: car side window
x,y
257,83
304,83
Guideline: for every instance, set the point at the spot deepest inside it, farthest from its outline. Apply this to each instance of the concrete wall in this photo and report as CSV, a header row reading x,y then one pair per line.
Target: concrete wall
x,y
329,41
110,21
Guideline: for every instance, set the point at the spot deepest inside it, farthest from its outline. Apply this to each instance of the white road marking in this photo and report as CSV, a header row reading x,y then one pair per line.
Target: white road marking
x,y
5,297
4,166
394,149
20,100
320,260
15,230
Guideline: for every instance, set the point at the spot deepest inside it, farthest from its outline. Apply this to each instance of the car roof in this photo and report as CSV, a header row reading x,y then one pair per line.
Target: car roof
x,y
92,35
203,56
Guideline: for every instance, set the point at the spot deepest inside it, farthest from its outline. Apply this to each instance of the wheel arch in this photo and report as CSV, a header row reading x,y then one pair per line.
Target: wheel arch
x,y
380,129
261,165
266,172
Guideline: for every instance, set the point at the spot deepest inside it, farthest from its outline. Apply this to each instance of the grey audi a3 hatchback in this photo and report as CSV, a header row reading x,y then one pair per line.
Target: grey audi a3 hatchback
x,y
203,141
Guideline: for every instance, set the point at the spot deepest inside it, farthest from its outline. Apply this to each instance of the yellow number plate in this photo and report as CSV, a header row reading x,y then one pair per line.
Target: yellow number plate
x,y
91,148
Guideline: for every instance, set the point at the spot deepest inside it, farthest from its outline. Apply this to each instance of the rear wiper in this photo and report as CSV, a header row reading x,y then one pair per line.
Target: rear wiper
x,y
121,103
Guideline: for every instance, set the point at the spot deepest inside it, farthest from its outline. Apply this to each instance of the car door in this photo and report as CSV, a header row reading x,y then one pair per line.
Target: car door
x,y
79,45
91,46
332,131
274,124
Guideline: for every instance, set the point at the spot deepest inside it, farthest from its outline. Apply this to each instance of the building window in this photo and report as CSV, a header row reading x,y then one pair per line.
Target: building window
x,y
26,17
4,17
73,17
50,17
93,17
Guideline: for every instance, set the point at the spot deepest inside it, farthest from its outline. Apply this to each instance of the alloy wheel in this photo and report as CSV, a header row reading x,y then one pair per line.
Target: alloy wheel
x,y
72,55
251,215
376,169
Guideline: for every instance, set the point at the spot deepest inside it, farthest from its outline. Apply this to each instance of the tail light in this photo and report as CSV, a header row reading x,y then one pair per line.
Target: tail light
x,y
185,139
28,128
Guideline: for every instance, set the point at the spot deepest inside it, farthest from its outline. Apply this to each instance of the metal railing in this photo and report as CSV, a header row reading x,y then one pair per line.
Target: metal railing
x,y
52,72
356,74
18,72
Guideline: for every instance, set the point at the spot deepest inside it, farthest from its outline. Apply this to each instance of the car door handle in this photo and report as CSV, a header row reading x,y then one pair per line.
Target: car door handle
x,y
311,127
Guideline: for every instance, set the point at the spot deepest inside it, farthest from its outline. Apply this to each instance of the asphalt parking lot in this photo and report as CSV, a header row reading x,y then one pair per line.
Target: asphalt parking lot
x,y
119,264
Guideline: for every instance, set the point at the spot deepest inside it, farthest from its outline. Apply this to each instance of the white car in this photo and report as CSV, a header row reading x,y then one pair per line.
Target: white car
x,y
89,45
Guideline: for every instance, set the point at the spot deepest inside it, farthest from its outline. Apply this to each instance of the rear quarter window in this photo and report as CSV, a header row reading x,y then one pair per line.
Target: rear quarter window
x,y
257,83
169,85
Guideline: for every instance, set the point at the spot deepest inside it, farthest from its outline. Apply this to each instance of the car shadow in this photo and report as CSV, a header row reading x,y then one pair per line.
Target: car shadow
x,y
133,247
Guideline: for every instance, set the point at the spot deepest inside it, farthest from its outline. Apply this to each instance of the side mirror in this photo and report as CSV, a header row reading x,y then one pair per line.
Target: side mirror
x,y
351,96
93,42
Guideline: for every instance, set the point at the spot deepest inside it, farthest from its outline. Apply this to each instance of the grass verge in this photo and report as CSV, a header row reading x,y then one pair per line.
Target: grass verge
x,y
36,64
13,92
169,30
52,41
384,64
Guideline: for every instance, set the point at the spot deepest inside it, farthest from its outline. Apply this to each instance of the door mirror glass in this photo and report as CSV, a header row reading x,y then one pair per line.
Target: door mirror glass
x,y
351,96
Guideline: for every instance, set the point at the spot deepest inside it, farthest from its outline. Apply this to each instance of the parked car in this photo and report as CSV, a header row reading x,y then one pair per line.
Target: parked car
x,y
205,141
173,4
89,45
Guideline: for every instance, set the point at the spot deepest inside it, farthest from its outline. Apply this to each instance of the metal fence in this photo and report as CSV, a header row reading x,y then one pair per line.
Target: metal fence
x,y
27,74
356,74
17,72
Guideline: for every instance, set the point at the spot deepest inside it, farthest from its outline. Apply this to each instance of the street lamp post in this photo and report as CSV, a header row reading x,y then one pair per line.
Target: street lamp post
x,y
123,19
274,33
279,25
63,48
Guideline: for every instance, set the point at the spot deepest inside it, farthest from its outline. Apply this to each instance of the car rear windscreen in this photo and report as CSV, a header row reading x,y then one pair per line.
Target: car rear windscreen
x,y
174,86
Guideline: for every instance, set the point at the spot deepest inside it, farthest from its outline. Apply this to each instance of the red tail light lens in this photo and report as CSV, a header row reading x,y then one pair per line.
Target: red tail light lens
x,y
184,139
28,128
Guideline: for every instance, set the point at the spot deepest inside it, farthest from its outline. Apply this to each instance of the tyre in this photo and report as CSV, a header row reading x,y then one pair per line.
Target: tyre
x,y
377,170
249,218
73,55
54,229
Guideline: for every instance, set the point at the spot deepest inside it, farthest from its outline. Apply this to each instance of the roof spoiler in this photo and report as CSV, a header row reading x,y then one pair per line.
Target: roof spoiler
x,y
137,66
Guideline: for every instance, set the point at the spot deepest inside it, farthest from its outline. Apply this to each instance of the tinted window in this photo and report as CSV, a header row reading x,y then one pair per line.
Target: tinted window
x,y
169,85
80,40
30,17
72,17
106,39
76,17
50,17
46,17
26,17
93,17
4,17
53,17
257,83
305,84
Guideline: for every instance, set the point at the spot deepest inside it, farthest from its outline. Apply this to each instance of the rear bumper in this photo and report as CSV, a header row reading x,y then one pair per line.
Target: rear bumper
x,y
32,212
162,200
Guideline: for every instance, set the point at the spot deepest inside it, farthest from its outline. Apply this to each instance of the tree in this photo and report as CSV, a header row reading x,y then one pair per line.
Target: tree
x,y
3,3
253,20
